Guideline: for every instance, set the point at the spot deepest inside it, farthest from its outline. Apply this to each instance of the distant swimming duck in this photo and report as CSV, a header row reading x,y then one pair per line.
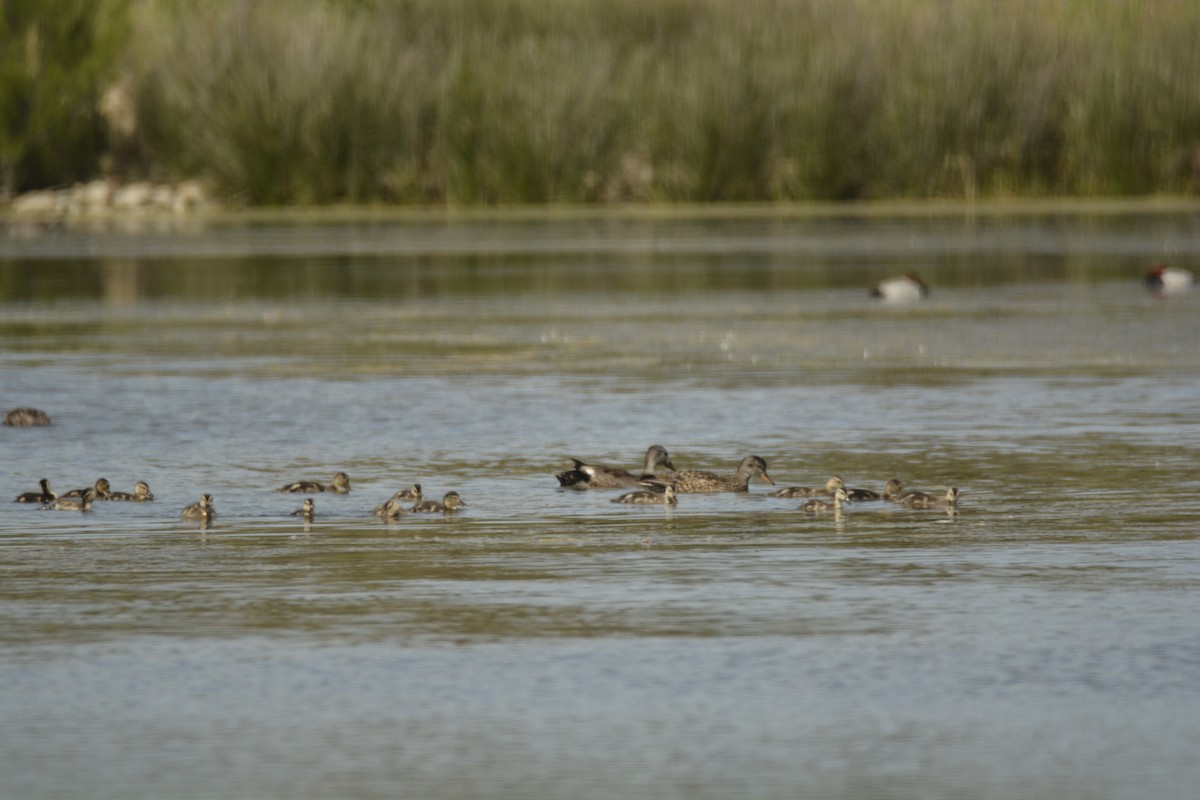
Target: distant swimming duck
x,y
816,506
81,503
202,510
393,508
831,486
691,481
905,288
893,490
306,510
1169,280
340,485
141,494
450,502
26,418
44,496
922,500
650,497
600,476
100,490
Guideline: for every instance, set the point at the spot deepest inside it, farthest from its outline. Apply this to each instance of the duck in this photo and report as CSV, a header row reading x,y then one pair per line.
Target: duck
x,y
26,418
600,476
817,506
81,503
692,481
306,510
891,489
202,510
392,509
904,289
666,497
43,497
100,489
450,502
831,486
1169,280
141,493
340,485
923,500
411,493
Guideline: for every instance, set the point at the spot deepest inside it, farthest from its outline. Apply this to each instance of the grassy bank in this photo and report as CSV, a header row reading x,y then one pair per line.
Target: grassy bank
x,y
533,101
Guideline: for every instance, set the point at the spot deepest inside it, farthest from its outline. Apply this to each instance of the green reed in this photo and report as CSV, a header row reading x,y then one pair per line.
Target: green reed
x,y
508,101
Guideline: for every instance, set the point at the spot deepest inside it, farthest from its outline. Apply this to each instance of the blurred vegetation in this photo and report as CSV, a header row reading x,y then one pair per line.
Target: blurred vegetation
x,y
536,101
56,59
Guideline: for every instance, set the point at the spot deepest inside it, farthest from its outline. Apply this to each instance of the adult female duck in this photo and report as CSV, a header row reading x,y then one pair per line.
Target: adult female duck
x,y
692,481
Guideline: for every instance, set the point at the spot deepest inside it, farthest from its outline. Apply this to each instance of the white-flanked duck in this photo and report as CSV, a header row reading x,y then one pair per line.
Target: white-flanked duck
x,y
601,476
1169,280
907,288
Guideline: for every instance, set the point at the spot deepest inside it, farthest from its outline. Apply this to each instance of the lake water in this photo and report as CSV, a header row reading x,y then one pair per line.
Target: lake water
x,y
543,643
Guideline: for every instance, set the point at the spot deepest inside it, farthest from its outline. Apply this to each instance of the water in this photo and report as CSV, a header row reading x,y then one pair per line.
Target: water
x,y
546,643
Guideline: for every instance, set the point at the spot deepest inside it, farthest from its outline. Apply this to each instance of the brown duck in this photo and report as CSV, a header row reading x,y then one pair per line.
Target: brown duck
x,y
691,481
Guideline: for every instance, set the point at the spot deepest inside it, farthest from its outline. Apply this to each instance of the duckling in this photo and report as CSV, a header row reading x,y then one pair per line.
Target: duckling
x,y
904,289
1169,280
340,485
44,496
26,418
411,493
306,511
392,509
600,476
816,506
922,500
141,493
100,489
202,510
450,502
666,497
81,503
891,488
691,481
831,486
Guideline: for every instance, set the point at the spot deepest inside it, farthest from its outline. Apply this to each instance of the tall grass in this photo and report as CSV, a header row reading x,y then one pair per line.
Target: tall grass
x,y
498,101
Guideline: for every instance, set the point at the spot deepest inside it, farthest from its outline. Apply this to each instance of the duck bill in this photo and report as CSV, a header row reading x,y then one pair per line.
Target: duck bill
x,y
766,478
